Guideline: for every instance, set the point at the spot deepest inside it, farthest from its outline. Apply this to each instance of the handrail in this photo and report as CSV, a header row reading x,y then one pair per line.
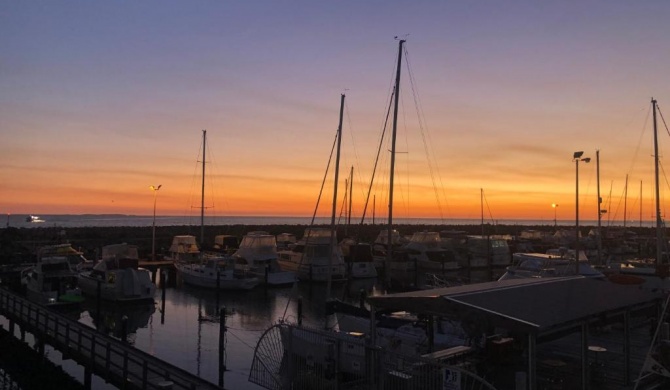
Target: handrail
x,y
108,355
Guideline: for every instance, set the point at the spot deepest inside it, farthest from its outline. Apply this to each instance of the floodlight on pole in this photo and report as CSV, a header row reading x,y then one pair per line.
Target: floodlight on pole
x,y
555,206
153,226
577,157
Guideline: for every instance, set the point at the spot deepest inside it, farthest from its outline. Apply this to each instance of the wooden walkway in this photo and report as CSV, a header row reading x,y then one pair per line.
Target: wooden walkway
x,y
116,362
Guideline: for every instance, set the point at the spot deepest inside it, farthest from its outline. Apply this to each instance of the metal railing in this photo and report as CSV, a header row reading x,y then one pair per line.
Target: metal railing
x,y
110,358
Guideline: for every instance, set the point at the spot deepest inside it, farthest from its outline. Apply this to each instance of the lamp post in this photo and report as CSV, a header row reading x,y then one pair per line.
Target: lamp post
x,y
555,206
153,226
577,157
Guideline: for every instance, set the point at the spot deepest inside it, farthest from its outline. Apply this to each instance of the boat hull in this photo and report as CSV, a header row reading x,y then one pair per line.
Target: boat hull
x,y
199,276
119,285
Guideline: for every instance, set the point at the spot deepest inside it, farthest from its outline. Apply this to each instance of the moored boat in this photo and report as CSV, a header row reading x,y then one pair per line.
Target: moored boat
x,y
117,276
216,272
51,281
311,257
258,251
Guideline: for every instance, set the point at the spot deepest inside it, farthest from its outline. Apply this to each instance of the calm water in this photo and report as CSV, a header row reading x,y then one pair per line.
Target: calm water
x,y
111,220
188,333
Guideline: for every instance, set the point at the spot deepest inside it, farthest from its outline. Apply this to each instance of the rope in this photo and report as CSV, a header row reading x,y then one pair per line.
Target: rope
x,y
425,137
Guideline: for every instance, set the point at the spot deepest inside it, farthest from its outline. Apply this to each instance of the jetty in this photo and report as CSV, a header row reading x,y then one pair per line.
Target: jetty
x,y
113,360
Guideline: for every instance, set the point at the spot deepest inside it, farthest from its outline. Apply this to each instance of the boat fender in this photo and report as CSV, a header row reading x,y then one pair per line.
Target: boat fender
x,y
111,278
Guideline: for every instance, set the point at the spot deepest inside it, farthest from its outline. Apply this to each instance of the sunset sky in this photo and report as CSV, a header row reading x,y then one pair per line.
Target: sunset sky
x,y
101,99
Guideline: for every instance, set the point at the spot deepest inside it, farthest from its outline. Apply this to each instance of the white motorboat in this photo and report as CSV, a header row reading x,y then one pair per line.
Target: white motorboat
x,y
184,249
258,251
51,281
359,259
74,257
426,250
400,260
117,276
543,265
213,272
311,257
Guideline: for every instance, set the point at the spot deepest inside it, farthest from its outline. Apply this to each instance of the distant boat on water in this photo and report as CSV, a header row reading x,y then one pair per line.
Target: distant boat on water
x,y
34,218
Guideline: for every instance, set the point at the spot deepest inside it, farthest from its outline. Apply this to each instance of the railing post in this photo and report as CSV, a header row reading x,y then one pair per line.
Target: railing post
x,y
98,304
145,374
125,369
108,359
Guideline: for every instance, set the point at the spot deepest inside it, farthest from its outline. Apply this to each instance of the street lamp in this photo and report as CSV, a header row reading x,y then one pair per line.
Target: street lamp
x,y
577,157
153,228
555,206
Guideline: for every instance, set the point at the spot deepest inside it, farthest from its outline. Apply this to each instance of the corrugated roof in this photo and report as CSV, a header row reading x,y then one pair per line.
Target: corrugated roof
x,y
530,305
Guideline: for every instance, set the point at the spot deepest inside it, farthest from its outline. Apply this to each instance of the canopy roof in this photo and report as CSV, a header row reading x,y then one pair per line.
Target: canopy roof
x,y
537,306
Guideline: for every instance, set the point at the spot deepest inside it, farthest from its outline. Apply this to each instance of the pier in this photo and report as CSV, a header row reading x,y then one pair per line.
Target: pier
x,y
116,362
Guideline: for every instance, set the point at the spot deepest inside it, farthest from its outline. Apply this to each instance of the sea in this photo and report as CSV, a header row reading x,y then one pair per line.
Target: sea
x,y
118,220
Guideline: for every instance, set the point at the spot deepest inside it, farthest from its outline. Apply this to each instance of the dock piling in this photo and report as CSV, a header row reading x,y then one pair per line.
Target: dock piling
x,y
222,345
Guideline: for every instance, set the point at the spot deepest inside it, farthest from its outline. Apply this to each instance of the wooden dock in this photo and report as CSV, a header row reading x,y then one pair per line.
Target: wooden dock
x,y
116,362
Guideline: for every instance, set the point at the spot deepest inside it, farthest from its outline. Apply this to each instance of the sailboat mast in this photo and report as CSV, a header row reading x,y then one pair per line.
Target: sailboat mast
x,y
625,205
202,190
659,233
351,194
389,251
600,210
333,234
481,203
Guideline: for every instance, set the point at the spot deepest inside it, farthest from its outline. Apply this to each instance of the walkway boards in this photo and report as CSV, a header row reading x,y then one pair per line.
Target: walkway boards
x,y
116,362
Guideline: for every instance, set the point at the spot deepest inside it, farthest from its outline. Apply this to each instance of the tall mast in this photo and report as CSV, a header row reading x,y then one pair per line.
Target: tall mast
x,y
600,210
640,203
374,207
202,190
659,233
351,194
481,203
625,205
333,233
389,251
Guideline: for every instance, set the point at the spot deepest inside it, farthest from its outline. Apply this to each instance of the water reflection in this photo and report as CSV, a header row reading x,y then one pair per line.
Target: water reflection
x,y
112,317
189,335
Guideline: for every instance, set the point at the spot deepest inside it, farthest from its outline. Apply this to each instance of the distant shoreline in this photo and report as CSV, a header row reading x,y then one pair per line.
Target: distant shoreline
x,y
125,220
22,242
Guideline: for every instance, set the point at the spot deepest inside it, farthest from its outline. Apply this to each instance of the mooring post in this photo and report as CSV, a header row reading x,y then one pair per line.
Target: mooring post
x,y
218,285
222,345
361,299
163,282
98,303
124,328
300,311
153,275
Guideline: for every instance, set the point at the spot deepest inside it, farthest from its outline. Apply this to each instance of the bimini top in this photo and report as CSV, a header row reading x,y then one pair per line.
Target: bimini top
x,y
537,306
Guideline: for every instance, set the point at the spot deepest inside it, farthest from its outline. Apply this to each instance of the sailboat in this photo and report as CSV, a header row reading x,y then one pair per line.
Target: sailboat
x,y
200,270
409,334
258,250
651,273
316,256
